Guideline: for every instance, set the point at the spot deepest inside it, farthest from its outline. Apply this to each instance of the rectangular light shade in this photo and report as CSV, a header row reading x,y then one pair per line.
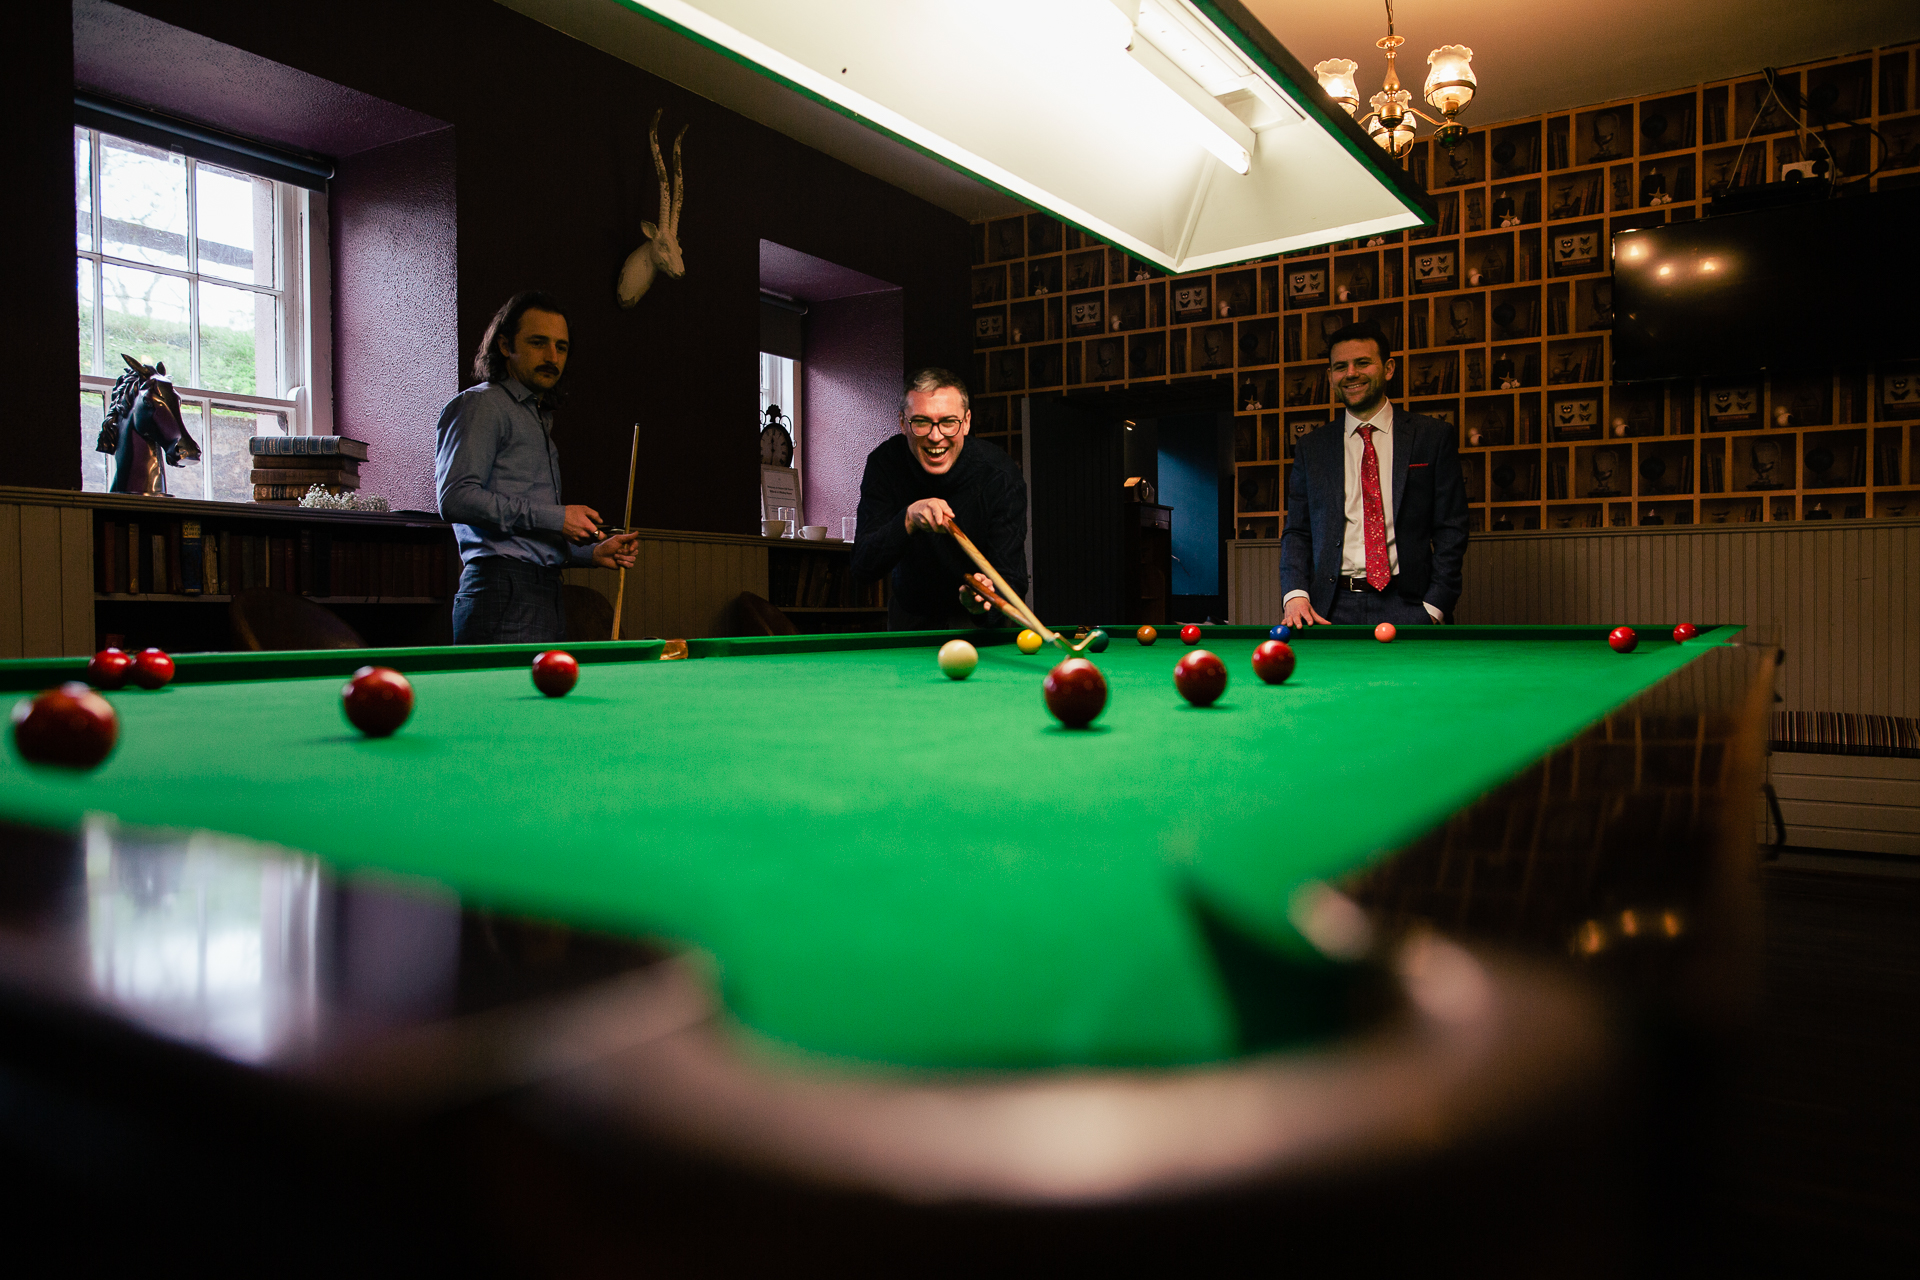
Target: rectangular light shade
x,y
1177,130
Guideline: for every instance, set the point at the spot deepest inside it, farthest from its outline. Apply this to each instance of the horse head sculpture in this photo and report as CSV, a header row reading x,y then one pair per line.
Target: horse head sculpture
x,y
659,254
143,426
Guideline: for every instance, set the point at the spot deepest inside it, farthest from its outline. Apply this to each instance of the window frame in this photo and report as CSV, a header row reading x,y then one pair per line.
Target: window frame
x,y
301,277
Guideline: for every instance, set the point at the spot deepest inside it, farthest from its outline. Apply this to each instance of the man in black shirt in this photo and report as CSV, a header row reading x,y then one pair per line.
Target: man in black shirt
x,y
915,484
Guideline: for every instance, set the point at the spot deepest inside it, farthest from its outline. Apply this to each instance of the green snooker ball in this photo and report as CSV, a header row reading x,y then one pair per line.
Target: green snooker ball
x,y
958,659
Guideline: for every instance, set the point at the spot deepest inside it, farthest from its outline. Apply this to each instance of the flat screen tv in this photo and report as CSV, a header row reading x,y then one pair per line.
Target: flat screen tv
x,y
1833,284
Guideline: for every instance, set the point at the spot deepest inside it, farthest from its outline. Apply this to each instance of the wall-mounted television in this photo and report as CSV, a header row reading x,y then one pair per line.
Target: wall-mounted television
x,y
1822,285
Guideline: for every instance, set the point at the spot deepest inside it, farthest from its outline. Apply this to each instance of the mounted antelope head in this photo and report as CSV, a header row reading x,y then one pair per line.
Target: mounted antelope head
x,y
660,252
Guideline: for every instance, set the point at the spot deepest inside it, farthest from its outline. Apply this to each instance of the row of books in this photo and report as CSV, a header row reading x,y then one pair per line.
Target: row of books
x,y
819,581
180,558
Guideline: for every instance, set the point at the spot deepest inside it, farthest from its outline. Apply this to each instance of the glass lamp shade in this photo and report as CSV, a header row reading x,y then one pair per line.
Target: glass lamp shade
x,y
1451,82
1336,77
1391,125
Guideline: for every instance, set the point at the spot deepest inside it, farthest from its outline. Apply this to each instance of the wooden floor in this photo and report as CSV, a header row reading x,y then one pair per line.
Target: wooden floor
x,y
1824,1176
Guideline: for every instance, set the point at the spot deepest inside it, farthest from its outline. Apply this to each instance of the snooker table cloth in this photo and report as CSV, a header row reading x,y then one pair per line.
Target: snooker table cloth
x,y
885,866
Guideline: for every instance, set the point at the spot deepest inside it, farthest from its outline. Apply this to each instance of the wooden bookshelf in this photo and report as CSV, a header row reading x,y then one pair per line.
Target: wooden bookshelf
x,y
1501,315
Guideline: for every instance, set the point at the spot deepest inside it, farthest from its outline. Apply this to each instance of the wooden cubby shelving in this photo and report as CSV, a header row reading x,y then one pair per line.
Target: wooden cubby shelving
x,y
1501,313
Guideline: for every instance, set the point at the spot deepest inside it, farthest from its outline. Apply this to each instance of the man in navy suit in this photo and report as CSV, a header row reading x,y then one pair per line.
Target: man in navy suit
x,y
1376,508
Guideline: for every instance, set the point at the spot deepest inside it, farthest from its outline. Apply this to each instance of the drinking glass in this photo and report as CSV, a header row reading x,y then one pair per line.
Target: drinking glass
x,y
847,526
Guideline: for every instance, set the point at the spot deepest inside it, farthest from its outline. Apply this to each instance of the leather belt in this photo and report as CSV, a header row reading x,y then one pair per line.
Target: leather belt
x,y
1348,583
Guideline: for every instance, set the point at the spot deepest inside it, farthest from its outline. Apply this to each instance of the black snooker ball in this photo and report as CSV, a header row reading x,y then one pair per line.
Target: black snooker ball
x,y
71,726
377,700
1075,692
555,672
1200,677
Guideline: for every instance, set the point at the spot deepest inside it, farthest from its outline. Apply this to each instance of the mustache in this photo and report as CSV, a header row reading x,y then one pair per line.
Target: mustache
x,y
548,368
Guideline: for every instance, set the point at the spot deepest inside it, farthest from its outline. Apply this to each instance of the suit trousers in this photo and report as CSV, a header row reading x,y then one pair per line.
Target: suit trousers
x,y
506,601
1370,608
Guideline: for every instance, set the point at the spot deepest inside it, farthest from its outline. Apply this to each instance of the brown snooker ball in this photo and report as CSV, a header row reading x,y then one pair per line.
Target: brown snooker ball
x,y
71,726
110,668
1076,692
1200,677
1273,661
1190,634
1146,635
152,668
377,700
555,672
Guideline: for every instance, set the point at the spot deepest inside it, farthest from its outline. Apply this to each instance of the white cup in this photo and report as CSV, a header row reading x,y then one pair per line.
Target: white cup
x,y
813,532
774,528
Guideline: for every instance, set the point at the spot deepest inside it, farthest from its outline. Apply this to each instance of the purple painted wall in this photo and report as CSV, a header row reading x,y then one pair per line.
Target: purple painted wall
x,y
396,351
851,377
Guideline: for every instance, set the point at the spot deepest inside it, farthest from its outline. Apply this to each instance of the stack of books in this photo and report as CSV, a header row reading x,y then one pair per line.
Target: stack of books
x,y
285,467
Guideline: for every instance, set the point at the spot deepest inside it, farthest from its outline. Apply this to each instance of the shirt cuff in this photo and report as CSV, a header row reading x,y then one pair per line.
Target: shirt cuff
x,y
1291,596
1432,612
552,519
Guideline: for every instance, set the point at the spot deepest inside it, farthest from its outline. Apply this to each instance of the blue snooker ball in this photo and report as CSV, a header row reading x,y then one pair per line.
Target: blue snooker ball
x,y
1281,632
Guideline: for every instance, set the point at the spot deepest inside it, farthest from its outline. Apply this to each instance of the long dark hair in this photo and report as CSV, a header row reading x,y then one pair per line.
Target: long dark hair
x,y
488,364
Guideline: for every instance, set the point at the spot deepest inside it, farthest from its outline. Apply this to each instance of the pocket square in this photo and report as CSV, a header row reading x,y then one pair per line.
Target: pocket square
x,y
1412,465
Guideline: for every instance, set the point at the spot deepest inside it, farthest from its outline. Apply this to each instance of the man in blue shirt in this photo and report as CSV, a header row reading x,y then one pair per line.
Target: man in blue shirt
x,y
498,477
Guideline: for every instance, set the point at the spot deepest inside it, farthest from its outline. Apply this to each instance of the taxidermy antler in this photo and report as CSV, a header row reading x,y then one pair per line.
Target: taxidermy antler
x,y
661,250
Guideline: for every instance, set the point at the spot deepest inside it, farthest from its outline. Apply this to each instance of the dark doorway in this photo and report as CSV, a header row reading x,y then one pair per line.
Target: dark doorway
x,y
1083,449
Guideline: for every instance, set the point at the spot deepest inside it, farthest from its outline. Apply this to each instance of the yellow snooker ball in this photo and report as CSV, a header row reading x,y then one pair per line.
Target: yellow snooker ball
x,y
1028,641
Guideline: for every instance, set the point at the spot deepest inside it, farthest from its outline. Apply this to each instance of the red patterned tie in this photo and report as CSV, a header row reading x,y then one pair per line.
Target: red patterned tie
x,y
1374,514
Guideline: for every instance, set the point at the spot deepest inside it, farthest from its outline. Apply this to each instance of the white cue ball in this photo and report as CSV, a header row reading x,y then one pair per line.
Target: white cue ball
x,y
958,659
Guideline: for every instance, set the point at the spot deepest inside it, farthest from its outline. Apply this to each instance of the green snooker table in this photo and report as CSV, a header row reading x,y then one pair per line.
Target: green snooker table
x,y
866,876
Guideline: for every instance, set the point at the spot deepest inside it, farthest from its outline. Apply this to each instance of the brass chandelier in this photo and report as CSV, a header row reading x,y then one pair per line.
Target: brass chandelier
x,y
1449,88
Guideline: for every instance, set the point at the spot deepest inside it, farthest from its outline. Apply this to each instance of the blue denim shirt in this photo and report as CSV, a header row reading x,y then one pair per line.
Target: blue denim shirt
x,y
498,477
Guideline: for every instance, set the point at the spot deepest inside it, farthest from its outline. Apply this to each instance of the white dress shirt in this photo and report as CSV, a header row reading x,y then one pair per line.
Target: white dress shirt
x,y
1353,548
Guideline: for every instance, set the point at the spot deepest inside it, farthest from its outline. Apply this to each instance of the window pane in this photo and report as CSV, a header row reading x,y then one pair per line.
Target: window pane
x,y
146,318
96,468
143,202
187,480
235,225
82,190
232,463
239,347
83,288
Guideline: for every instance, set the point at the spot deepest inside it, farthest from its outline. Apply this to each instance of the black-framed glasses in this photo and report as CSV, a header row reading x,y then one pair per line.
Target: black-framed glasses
x,y
926,426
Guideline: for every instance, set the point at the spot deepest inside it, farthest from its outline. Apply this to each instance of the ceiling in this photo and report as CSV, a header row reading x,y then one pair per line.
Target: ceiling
x,y
1530,58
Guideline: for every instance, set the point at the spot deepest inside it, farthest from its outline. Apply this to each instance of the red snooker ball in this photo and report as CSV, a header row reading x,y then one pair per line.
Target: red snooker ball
x,y
1385,632
1622,639
152,669
1076,692
1190,634
555,672
1685,632
71,726
1273,661
377,700
1200,677
110,668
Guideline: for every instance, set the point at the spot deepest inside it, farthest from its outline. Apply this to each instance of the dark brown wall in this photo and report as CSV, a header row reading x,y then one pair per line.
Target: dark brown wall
x,y
40,431
553,180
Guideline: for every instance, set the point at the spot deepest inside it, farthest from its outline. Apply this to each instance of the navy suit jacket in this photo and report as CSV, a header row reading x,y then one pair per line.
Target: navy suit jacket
x,y
1429,512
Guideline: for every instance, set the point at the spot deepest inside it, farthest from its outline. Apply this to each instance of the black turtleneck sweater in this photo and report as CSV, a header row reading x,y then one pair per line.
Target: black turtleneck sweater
x,y
989,500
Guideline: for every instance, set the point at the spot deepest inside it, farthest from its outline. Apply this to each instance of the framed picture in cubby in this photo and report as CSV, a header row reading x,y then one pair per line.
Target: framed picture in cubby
x,y
1434,270
1576,250
1575,417
1192,299
990,327
1086,315
1106,360
1732,407
1306,285
1460,319
1212,348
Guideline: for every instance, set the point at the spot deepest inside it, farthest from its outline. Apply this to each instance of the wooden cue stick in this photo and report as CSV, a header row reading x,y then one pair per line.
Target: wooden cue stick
x,y
1022,613
633,467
